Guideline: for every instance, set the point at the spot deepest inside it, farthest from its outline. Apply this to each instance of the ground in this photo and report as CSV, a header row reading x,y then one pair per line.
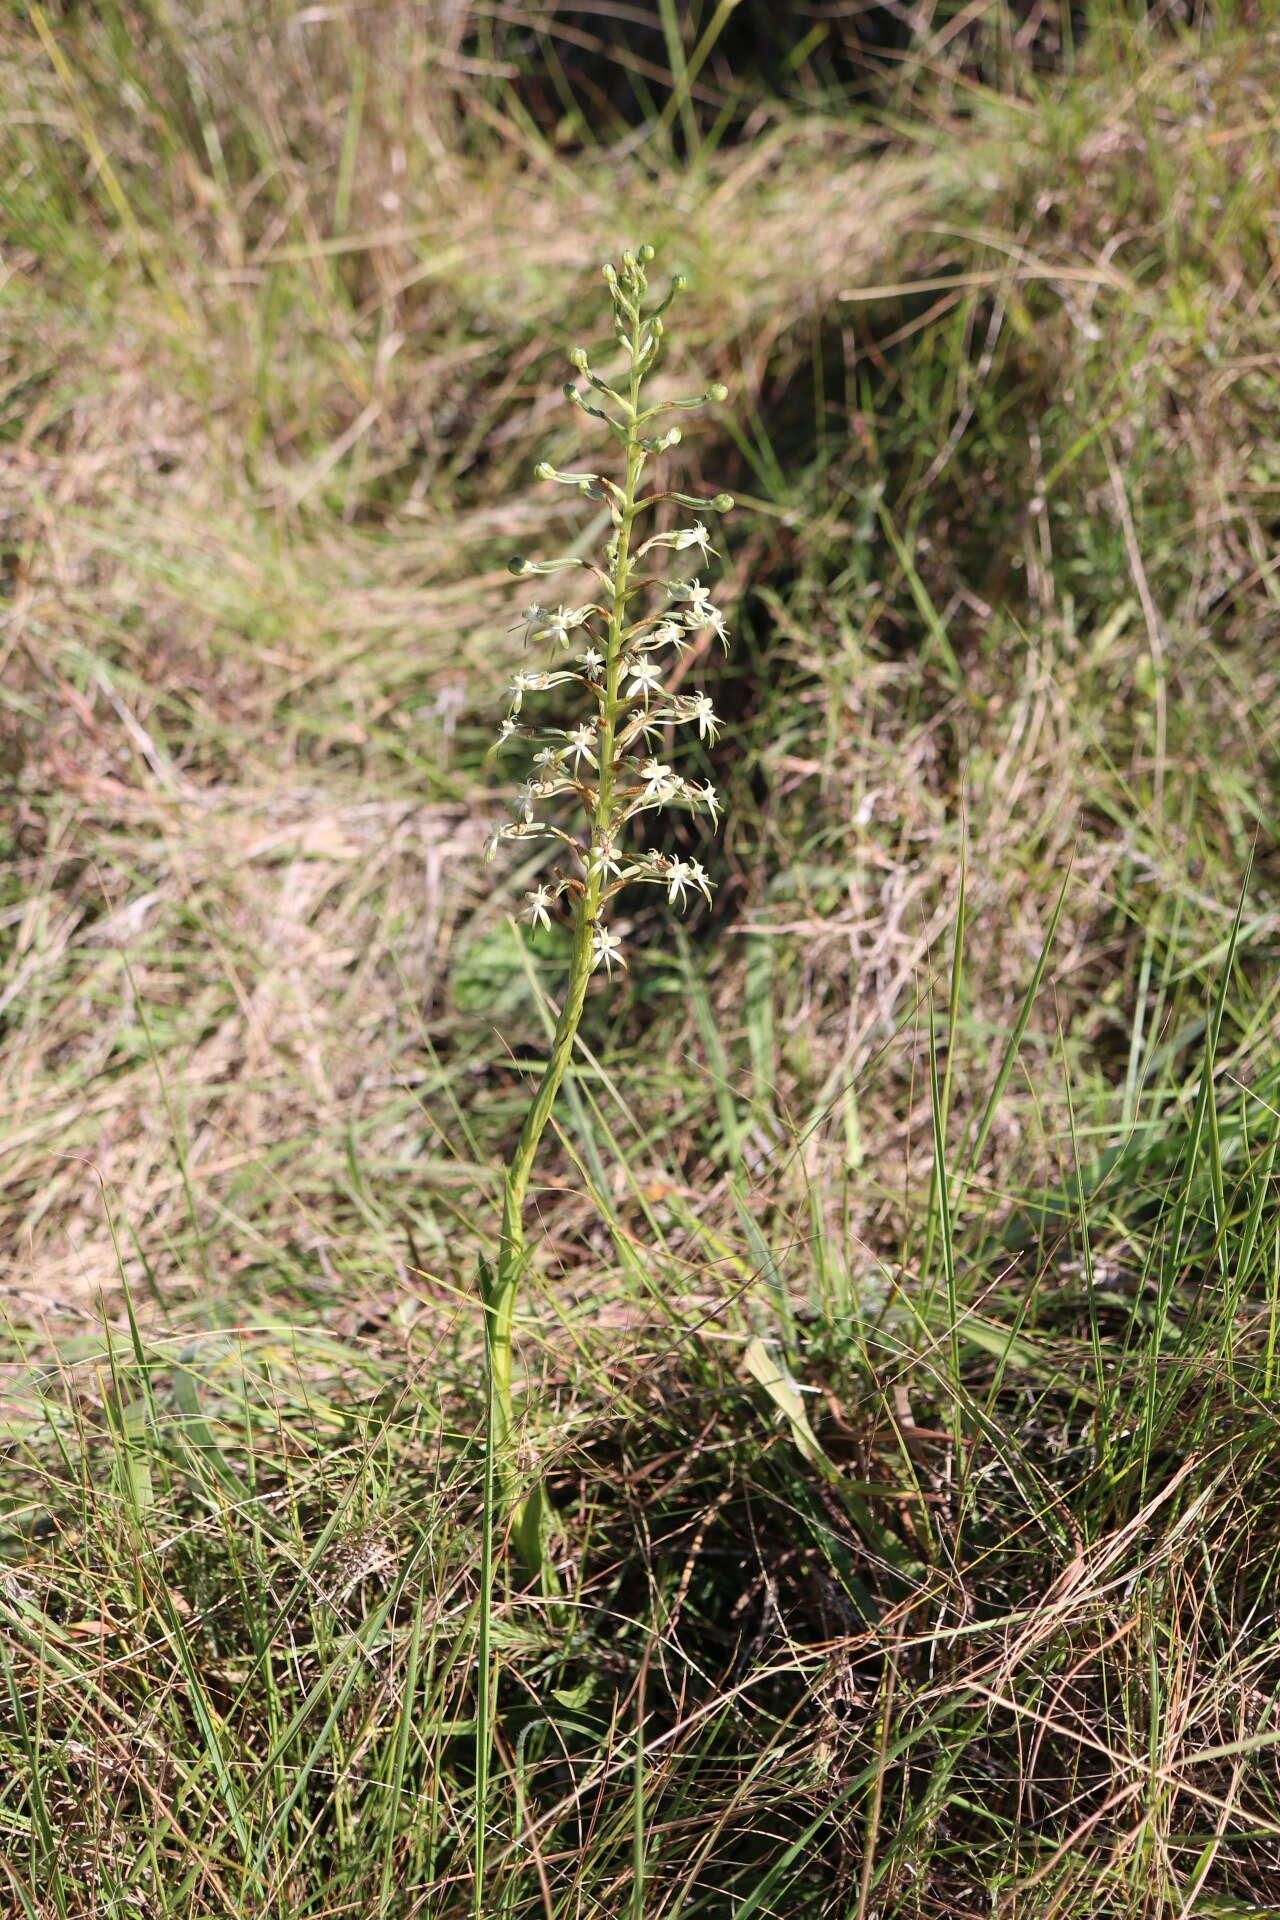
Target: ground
x,y
902,1334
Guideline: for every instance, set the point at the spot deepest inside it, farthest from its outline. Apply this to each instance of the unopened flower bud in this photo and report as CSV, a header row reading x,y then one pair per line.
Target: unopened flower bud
x,y
718,391
578,359
678,282
519,565
645,254
723,503
544,471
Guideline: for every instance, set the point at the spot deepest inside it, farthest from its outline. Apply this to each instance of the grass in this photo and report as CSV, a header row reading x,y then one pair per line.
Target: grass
x,y
902,1351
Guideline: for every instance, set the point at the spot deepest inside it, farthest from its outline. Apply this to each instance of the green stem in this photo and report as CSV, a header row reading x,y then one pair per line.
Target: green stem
x,y
529,1513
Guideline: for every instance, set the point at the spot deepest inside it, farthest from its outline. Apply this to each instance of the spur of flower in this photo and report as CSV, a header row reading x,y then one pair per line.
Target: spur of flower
x,y
589,774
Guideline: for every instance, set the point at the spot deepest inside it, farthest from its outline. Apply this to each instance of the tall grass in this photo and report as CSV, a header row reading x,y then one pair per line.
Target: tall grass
x,y
901,1344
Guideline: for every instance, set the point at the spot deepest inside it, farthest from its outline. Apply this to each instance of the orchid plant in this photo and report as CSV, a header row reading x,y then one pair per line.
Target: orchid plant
x,y
588,782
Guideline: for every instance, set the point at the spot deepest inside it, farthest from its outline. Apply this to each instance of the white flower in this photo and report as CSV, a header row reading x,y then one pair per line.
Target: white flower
x,y
683,874
593,662
701,878
698,707
522,683
679,540
514,830
667,633
507,729
529,619
581,745
605,949
560,622
646,677
705,796
547,758
537,905
694,536
700,612
530,792
659,781
604,855
646,724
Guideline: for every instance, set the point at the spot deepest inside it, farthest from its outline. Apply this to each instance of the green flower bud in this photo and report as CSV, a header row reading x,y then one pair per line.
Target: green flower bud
x,y
645,254
718,391
723,503
578,359
544,471
679,282
519,565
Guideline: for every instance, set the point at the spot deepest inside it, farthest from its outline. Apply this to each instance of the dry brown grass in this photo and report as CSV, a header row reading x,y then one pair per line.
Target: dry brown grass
x,y
271,412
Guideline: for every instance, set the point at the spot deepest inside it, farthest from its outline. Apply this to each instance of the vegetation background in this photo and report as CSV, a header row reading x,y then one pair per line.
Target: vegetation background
x,y
903,1342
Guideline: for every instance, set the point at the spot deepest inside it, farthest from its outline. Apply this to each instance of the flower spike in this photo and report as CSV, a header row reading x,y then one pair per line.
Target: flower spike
x,y
623,648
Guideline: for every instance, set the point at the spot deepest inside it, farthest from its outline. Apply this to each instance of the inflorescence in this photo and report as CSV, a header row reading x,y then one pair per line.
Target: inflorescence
x,y
621,648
